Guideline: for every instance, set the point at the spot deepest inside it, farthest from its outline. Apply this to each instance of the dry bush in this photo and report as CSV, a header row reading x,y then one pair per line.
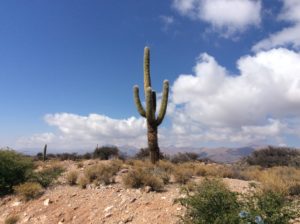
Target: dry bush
x,y
182,174
72,177
101,173
12,219
29,190
83,181
80,164
139,177
166,165
285,180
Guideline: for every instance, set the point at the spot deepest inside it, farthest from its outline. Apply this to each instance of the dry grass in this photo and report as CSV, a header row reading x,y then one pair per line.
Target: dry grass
x,y
139,177
102,173
285,180
12,219
28,190
83,181
72,177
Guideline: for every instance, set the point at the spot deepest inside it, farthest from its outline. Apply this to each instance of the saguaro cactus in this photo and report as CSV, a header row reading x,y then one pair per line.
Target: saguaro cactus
x,y
45,153
149,113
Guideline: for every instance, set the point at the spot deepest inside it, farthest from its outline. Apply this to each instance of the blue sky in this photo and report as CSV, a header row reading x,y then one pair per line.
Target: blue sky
x,y
61,61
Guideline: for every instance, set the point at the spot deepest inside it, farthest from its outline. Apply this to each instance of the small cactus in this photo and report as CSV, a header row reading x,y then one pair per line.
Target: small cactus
x,y
150,112
45,153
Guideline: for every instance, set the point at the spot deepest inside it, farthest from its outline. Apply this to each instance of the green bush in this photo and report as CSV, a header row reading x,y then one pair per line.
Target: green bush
x,y
212,203
46,176
274,156
14,169
29,190
269,207
106,152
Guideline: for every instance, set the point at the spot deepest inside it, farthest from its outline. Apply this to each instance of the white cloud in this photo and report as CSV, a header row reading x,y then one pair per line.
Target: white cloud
x,y
288,36
167,21
75,131
214,105
260,105
226,16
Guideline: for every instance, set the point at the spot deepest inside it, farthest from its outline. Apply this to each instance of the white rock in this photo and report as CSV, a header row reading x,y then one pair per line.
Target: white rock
x,y
108,208
16,203
47,202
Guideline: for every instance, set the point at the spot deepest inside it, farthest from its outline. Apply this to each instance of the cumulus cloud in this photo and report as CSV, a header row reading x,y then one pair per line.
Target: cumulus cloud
x,y
260,105
253,106
288,36
87,131
226,16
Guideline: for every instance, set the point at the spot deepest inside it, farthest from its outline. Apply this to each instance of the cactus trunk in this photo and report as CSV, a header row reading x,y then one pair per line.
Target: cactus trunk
x,y
153,142
149,113
45,153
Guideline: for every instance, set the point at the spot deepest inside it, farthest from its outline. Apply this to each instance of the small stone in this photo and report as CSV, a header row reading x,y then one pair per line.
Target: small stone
x,y
16,203
107,215
132,200
178,209
163,197
73,195
128,219
47,202
108,208
148,189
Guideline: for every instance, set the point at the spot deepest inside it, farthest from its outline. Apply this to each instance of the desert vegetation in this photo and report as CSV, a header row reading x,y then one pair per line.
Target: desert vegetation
x,y
271,196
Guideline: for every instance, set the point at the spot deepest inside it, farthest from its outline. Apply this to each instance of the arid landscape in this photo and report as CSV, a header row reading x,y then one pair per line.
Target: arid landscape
x,y
134,190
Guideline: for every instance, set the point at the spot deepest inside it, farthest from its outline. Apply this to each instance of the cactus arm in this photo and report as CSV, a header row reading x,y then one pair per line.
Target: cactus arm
x,y
149,106
154,101
137,101
164,102
147,80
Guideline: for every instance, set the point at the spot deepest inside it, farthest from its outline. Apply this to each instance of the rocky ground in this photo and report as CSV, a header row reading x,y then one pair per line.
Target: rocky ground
x,y
103,204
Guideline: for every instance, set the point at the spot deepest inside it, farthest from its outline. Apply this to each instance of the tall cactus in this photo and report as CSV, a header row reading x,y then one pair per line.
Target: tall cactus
x,y
149,113
45,153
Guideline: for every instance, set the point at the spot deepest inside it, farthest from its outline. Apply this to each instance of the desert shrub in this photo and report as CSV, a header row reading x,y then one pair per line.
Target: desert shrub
x,y
101,173
274,156
184,157
28,190
83,181
106,152
213,203
80,164
87,156
182,175
139,177
166,165
47,176
280,179
72,177
268,207
14,169
12,219
144,153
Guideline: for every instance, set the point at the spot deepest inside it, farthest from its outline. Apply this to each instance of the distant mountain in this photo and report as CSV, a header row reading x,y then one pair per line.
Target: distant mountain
x,y
220,154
